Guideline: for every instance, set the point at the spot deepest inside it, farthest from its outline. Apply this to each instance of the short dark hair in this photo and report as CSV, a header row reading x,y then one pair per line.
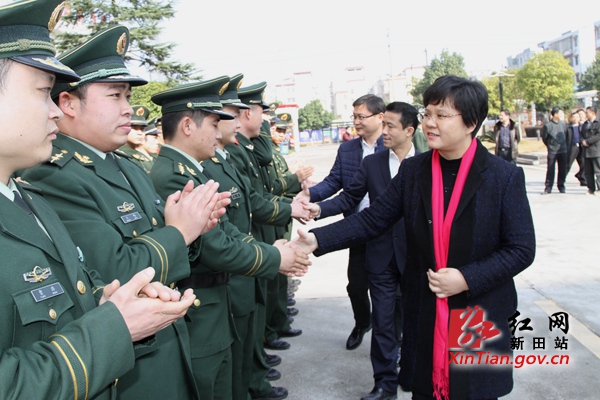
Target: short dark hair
x,y
374,103
580,110
80,92
505,111
408,113
592,109
469,97
5,64
555,110
170,121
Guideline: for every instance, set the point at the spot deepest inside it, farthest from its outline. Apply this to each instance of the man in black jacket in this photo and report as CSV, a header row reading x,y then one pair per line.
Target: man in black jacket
x,y
554,138
591,143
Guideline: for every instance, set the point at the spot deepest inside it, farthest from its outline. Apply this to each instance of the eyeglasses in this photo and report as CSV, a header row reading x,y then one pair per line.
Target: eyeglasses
x,y
362,117
435,118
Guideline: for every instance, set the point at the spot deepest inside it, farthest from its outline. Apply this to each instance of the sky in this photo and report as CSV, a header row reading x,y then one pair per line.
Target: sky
x,y
270,41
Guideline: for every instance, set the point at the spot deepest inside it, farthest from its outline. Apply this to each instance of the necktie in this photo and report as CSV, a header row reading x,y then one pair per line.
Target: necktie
x,y
21,203
110,157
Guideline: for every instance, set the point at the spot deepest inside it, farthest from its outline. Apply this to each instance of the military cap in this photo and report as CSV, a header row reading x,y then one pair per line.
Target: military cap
x,y
254,95
25,28
100,59
284,120
151,129
202,96
230,96
140,115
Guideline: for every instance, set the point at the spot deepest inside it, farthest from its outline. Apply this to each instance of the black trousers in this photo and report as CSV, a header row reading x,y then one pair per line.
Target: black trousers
x,y
358,287
577,153
561,160
592,173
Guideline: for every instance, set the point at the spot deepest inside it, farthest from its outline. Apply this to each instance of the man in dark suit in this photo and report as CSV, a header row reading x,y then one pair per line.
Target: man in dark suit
x,y
467,217
574,149
591,143
385,255
368,121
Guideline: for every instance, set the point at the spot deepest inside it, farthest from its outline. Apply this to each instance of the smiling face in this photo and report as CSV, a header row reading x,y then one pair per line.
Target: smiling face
x,y
450,136
31,115
102,119
369,127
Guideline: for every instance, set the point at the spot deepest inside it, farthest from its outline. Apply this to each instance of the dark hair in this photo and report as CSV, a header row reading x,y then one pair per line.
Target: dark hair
x,y
5,64
170,121
555,110
469,97
80,92
374,103
408,114
505,112
592,109
580,110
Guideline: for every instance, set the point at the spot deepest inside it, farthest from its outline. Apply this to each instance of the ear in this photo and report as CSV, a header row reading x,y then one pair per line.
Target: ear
x,y
410,131
68,103
186,125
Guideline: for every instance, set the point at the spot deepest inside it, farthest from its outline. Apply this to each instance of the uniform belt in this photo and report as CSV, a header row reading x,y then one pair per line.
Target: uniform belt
x,y
202,281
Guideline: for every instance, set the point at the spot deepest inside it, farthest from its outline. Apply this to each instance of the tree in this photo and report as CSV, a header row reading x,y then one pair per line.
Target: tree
x,y
547,79
590,80
447,64
313,116
142,17
512,93
142,94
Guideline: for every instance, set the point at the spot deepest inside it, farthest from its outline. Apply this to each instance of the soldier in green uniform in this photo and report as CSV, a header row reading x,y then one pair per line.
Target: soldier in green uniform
x,y
247,161
134,147
110,208
247,205
190,117
63,334
151,142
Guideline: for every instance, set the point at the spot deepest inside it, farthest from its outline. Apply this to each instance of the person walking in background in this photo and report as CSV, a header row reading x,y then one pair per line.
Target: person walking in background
x,y
553,136
507,135
574,149
591,144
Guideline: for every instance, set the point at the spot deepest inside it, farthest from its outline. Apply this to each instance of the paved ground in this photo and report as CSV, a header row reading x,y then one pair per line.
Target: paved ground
x,y
564,277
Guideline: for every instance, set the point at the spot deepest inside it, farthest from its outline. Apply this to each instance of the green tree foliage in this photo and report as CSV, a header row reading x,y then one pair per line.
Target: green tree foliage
x,y
313,116
512,93
547,80
142,17
447,64
142,94
590,80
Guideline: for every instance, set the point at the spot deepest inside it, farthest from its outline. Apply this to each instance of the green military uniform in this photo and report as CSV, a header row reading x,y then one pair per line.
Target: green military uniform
x,y
420,141
223,250
55,343
247,162
116,217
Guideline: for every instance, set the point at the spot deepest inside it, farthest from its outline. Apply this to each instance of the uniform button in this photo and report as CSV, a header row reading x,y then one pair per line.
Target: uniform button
x,y
134,234
81,287
250,215
154,222
237,204
52,313
197,303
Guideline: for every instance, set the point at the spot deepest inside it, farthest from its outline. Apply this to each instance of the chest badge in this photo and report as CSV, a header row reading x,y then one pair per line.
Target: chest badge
x,y
126,207
38,274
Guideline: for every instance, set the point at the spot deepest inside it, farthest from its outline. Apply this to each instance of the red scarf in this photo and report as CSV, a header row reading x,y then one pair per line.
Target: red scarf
x,y
441,244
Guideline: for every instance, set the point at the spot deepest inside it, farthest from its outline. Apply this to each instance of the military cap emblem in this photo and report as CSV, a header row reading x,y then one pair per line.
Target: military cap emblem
x,y
122,44
38,274
284,117
55,16
223,88
139,112
126,207
83,159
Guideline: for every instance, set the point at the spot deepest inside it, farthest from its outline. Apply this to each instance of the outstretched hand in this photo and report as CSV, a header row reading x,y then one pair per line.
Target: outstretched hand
x,y
307,241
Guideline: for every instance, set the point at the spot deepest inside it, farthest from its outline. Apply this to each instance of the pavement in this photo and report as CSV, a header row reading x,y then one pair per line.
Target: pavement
x,y
563,278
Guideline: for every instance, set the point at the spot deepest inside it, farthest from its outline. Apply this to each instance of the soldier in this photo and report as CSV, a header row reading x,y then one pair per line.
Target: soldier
x,y
134,147
190,117
248,161
110,207
64,334
151,142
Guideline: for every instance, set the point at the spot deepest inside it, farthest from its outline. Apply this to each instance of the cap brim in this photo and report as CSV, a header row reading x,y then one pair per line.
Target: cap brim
x,y
222,114
237,105
138,123
49,64
133,80
265,106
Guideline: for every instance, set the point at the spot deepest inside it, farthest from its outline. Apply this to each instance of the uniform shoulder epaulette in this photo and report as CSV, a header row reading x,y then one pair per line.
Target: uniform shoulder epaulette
x,y
184,169
60,157
215,160
121,153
